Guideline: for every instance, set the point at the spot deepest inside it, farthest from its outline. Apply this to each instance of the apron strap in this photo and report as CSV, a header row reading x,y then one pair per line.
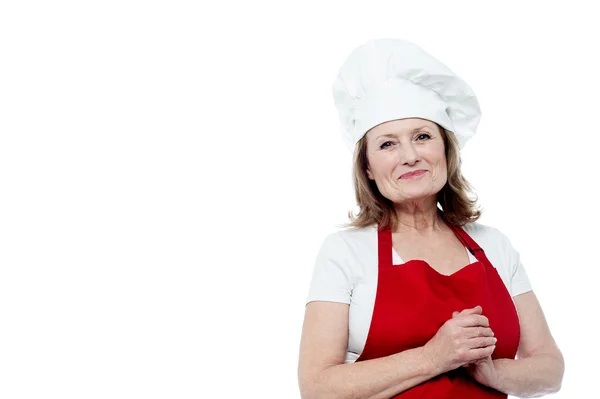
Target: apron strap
x,y
384,247
466,240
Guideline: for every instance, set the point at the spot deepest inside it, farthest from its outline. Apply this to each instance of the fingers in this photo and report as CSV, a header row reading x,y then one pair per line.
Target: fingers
x,y
475,355
481,342
480,353
478,340
473,320
476,310
472,332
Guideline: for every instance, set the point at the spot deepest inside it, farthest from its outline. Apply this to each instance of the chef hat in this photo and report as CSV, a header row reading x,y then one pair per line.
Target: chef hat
x,y
388,79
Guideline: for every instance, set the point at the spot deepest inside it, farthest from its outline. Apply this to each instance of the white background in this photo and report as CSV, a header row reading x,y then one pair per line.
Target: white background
x,y
168,171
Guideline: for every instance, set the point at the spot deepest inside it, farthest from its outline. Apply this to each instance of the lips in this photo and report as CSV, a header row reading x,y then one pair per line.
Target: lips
x,y
413,174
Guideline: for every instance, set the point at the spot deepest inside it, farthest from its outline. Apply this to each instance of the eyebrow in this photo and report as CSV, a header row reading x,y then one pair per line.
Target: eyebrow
x,y
411,131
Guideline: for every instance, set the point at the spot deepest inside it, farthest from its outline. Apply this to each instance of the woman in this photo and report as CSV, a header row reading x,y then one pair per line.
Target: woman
x,y
414,301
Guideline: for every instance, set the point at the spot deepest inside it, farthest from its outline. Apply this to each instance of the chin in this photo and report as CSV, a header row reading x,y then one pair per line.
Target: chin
x,y
417,195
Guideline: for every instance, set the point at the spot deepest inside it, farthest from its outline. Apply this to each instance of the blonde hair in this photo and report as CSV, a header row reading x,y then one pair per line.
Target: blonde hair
x,y
459,208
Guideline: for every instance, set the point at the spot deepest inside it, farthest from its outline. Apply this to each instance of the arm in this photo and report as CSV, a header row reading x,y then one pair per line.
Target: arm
x,y
322,373
539,367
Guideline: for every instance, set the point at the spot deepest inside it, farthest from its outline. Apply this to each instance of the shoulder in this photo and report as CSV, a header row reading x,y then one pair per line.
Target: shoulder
x,y
350,239
503,256
496,245
354,249
340,264
488,237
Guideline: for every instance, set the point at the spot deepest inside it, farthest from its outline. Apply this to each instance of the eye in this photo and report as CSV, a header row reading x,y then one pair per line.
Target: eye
x,y
384,145
424,134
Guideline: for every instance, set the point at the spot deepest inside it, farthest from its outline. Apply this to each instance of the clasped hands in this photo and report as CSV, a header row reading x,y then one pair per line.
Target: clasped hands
x,y
465,340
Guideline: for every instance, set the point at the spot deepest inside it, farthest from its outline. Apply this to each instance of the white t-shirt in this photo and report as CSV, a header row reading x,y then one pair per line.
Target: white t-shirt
x,y
346,271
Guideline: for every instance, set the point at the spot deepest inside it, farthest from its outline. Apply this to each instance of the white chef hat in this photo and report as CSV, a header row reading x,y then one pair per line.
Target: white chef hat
x,y
388,79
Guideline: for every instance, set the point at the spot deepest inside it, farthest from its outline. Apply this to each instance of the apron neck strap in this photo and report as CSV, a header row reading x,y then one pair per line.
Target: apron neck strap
x,y
464,238
385,247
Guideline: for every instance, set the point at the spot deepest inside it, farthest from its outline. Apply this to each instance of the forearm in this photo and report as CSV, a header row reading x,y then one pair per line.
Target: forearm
x,y
530,377
379,378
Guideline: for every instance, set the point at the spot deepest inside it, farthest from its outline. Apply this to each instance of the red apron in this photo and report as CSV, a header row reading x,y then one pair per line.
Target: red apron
x,y
413,301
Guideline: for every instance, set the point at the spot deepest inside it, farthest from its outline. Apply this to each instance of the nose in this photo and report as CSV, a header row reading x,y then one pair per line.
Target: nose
x,y
409,154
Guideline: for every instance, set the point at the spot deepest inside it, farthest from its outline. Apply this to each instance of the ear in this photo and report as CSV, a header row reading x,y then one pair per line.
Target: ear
x,y
369,174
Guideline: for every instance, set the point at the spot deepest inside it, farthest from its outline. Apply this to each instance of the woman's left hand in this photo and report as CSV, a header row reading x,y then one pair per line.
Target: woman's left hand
x,y
483,370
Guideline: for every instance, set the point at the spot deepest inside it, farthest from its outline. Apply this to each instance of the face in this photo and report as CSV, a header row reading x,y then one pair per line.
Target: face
x,y
402,146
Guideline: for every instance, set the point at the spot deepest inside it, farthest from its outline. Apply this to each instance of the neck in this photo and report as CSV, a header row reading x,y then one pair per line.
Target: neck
x,y
420,217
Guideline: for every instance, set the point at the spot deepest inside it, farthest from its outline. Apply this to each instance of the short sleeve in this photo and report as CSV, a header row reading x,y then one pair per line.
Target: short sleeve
x,y
519,281
332,272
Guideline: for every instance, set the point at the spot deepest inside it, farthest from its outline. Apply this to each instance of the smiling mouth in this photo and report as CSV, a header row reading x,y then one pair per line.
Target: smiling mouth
x,y
416,173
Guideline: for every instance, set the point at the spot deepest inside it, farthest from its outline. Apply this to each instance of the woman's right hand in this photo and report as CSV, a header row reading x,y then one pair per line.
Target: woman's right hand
x,y
463,339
